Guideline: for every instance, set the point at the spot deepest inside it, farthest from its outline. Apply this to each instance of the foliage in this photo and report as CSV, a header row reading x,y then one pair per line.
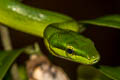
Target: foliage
x,y
6,59
113,21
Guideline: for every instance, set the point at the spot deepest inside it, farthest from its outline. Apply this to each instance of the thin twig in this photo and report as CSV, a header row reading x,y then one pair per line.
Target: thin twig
x,y
5,38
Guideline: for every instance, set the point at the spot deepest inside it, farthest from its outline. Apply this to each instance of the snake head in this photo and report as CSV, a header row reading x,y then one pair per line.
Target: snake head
x,y
73,46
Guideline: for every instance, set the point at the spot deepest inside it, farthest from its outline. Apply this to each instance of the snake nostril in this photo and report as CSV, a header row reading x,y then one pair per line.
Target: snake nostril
x,y
95,61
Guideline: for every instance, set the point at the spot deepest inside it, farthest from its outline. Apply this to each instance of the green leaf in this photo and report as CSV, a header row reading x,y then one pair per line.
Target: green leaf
x,y
6,59
22,72
112,21
90,73
8,76
111,72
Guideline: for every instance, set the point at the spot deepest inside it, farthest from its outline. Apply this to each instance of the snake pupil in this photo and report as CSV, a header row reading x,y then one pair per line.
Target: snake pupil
x,y
70,51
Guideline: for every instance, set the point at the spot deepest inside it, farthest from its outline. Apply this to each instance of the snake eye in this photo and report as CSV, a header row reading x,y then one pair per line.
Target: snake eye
x,y
70,51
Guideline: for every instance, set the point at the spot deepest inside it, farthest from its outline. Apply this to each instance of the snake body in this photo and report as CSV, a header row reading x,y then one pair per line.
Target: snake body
x,y
60,32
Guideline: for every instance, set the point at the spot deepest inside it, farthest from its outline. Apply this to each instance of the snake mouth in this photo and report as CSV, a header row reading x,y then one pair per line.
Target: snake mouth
x,y
75,58
54,53
83,60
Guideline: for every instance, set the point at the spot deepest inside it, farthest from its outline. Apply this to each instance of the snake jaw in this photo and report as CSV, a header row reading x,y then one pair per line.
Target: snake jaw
x,y
83,60
73,57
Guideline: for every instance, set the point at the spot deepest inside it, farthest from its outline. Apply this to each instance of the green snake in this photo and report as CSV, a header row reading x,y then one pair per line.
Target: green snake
x,y
61,33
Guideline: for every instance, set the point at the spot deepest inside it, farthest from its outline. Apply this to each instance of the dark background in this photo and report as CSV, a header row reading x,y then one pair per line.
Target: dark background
x,y
107,40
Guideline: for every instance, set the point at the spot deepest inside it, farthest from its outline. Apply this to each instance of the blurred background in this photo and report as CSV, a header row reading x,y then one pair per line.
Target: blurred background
x,y
107,40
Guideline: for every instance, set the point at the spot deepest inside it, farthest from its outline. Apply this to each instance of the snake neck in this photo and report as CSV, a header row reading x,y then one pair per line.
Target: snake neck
x,y
57,28
28,19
